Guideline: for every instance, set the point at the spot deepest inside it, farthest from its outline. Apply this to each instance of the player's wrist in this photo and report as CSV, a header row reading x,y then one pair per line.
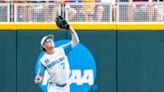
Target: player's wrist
x,y
71,30
38,79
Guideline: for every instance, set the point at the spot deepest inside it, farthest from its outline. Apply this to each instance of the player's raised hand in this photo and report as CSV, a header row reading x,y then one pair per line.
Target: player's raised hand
x,y
62,23
38,79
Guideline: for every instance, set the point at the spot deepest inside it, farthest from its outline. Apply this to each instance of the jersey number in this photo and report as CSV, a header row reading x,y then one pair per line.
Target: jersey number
x,y
63,65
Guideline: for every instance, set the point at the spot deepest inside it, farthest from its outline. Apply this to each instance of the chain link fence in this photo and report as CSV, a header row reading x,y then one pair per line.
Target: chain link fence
x,y
36,12
82,12
140,12
88,12
4,12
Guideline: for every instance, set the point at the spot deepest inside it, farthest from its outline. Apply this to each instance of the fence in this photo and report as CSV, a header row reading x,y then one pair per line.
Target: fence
x,y
89,12
83,12
140,12
4,12
36,12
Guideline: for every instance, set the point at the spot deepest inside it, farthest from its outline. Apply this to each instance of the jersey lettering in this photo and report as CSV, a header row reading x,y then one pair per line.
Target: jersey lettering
x,y
55,62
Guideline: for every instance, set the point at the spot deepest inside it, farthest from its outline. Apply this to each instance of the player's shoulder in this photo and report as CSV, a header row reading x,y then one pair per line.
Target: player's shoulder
x,y
43,58
60,48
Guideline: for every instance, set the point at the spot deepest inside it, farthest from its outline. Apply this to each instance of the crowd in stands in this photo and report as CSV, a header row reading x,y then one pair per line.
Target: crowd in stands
x,y
86,11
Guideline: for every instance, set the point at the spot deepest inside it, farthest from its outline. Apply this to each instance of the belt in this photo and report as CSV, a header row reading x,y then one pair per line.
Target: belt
x,y
59,85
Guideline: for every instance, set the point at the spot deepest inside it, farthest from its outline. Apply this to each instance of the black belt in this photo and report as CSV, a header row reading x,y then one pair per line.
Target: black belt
x,y
59,85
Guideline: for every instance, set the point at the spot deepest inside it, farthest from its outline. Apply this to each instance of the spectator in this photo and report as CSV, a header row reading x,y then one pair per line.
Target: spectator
x,y
23,16
41,12
88,9
71,11
100,13
104,10
3,12
133,12
125,11
146,12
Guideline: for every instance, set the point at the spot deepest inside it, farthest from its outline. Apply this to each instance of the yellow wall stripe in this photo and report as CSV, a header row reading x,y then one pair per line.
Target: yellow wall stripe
x,y
141,26
7,26
94,26
83,26
36,26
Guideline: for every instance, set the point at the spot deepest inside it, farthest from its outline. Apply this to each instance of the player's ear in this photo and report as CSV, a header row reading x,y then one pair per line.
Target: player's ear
x,y
43,46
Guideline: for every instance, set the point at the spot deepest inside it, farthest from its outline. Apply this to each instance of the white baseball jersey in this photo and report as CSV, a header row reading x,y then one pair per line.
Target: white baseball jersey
x,y
56,64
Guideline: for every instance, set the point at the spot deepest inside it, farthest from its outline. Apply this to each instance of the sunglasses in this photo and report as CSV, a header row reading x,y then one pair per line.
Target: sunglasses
x,y
49,40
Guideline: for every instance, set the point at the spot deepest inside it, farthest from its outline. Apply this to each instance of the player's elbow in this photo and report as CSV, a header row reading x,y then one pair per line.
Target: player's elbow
x,y
77,41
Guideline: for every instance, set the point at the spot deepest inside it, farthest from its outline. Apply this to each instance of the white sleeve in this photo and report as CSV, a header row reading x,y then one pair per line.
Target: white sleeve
x,y
75,39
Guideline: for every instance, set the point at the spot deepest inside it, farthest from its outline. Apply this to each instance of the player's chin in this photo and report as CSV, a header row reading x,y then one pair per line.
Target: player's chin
x,y
51,47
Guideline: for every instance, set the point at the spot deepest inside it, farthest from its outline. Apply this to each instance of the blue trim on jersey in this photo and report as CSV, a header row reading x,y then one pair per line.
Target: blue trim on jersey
x,y
41,69
38,61
37,67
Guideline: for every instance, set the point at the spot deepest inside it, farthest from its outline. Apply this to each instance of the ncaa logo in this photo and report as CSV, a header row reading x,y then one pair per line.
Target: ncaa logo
x,y
82,68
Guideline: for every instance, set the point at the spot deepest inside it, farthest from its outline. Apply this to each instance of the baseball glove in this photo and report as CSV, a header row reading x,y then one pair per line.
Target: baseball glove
x,y
62,23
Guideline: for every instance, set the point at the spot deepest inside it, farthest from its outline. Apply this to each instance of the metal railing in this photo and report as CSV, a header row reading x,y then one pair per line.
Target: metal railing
x,y
4,12
82,12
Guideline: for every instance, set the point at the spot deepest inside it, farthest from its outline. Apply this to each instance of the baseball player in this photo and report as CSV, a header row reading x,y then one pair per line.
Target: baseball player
x,y
55,60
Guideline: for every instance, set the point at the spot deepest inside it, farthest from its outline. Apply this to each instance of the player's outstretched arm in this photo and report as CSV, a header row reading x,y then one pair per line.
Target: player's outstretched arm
x,y
75,39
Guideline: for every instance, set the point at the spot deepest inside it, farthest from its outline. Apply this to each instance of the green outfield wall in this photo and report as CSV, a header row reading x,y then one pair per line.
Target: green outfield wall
x,y
127,60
